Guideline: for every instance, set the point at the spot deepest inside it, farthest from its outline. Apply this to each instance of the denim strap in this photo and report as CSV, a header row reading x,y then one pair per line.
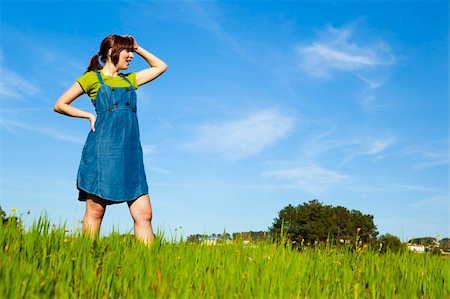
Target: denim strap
x,y
100,79
126,79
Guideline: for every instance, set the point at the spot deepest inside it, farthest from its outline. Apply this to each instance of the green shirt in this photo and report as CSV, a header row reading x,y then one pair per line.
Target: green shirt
x,y
90,84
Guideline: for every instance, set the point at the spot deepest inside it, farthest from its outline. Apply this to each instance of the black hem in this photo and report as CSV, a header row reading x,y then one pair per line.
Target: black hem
x,y
82,197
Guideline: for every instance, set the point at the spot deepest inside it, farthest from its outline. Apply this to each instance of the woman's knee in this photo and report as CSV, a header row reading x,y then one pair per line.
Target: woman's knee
x,y
141,209
148,213
142,214
95,213
95,208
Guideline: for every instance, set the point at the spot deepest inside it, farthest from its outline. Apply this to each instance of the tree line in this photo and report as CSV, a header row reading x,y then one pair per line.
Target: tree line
x,y
308,223
313,222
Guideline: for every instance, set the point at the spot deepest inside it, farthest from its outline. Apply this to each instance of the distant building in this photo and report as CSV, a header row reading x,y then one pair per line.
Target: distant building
x,y
425,244
416,247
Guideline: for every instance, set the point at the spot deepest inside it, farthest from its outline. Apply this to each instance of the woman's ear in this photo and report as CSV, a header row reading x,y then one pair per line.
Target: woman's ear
x,y
109,52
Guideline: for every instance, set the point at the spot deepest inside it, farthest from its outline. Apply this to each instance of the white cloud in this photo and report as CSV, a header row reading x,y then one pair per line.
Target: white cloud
x,y
207,15
333,51
310,178
154,169
244,137
438,200
433,159
368,100
371,84
430,154
148,149
345,148
48,131
13,85
368,147
376,145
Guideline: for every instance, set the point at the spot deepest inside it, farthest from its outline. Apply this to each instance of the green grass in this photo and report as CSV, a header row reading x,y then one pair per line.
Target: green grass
x,y
49,262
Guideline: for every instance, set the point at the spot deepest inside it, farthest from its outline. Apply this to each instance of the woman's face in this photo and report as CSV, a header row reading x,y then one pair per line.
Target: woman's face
x,y
125,58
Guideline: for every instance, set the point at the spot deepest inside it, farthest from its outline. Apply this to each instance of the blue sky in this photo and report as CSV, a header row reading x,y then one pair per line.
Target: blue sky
x,y
264,104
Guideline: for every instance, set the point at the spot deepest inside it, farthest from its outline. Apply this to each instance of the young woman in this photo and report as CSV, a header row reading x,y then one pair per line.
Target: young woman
x,y
111,168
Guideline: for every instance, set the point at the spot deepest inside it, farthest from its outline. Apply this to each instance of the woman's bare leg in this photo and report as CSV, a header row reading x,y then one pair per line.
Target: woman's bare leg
x,y
141,211
95,209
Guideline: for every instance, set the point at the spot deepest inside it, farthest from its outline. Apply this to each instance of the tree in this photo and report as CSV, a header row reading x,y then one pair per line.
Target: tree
x,y
252,236
197,238
314,221
444,244
3,215
11,220
426,241
390,242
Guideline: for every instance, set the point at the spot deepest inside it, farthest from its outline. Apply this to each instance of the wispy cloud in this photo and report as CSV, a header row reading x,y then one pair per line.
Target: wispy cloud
x,y
334,50
209,185
371,84
310,178
368,99
207,15
153,169
368,102
427,157
433,158
12,85
244,137
439,200
346,148
372,146
47,52
48,131
148,149
368,147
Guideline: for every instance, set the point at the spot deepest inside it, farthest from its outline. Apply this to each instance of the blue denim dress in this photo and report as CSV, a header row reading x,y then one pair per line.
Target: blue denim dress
x,y
112,164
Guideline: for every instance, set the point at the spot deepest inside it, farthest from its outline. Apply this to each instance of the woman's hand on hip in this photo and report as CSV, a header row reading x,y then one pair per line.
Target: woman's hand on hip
x,y
92,118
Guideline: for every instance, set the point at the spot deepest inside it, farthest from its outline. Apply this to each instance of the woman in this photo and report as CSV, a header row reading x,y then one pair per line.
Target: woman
x,y
111,168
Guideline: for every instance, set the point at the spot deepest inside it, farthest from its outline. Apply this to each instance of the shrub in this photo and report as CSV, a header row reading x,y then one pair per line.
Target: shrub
x,y
444,244
391,242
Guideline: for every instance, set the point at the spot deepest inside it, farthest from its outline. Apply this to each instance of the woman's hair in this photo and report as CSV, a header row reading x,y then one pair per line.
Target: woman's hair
x,y
117,43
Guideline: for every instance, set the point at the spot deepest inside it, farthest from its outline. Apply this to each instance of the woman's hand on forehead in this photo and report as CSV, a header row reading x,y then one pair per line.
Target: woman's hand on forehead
x,y
135,44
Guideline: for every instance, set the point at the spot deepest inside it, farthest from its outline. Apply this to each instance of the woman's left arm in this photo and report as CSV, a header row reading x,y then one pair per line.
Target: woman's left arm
x,y
157,66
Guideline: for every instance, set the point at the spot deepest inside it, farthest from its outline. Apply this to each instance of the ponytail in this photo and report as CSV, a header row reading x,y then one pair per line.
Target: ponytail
x,y
115,42
94,64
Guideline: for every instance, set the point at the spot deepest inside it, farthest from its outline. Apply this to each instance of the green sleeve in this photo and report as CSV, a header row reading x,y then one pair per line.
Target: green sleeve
x,y
87,81
132,78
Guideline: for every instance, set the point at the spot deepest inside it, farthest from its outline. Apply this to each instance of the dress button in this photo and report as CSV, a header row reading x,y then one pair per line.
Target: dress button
x,y
128,104
112,88
115,104
109,109
127,89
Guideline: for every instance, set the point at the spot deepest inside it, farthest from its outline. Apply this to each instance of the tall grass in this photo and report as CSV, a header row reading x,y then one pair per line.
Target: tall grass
x,y
49,262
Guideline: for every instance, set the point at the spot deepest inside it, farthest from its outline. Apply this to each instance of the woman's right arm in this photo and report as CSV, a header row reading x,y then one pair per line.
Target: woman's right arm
x,y
62,105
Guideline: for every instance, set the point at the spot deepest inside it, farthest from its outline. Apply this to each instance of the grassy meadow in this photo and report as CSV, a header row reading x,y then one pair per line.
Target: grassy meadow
x,y
46,261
